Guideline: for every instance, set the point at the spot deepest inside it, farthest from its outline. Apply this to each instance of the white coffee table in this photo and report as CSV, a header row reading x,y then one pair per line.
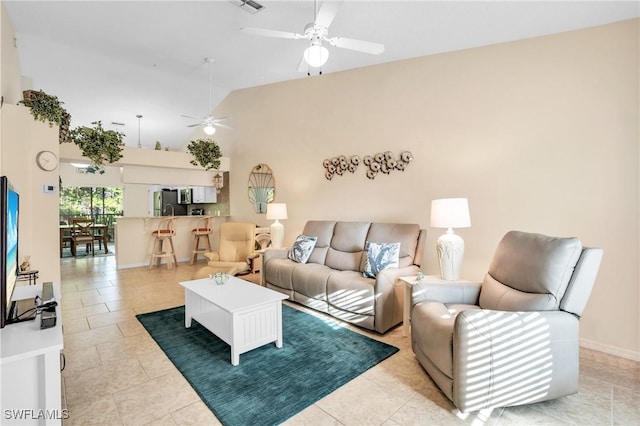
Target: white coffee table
x,y
242,314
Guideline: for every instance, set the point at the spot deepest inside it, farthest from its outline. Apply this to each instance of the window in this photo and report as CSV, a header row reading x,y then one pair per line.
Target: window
x,y
101,204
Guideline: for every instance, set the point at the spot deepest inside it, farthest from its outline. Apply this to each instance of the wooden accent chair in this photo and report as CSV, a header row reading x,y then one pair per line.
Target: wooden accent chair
x,y
82,233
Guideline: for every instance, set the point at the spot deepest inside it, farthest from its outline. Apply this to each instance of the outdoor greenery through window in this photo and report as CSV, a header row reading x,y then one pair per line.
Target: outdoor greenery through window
x,y
100,204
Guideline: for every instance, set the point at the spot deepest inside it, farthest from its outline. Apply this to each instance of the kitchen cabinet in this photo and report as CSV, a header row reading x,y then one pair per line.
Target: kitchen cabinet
x,y
203,194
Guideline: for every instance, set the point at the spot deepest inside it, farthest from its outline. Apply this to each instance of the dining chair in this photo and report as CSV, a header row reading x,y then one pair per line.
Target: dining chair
x,y
66,236
82,233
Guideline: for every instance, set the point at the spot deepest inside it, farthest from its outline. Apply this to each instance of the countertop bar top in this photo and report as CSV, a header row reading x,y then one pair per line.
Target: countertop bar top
x,y
165,217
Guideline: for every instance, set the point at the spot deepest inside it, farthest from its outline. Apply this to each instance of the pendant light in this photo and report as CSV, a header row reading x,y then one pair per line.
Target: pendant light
x,y
139,117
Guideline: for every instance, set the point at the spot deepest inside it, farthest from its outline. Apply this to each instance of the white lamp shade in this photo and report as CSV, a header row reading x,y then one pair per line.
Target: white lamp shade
x,y
209,129
450,213
316,55
276,211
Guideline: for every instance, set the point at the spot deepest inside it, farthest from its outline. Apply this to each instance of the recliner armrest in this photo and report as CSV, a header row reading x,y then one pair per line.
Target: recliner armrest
x,y
213,256
389,276
518,355
466,293
273,253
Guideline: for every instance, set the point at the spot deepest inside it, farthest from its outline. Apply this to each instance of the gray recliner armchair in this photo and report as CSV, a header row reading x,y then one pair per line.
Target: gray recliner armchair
x,y
514,338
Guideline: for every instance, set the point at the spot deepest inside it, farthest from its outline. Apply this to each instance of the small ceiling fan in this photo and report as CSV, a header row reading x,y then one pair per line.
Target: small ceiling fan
x,y
316,32
209,123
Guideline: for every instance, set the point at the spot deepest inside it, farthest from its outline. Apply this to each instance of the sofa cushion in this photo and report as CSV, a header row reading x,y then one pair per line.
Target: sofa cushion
x,y
380,256
347,246
311,280
302,248
406,233
351,292
323,230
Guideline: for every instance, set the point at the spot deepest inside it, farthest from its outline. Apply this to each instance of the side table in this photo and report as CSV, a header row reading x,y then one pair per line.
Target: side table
x,y
31,275
409,282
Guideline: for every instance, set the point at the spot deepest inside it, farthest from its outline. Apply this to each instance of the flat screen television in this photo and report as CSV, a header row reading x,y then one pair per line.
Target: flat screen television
x,y
9,208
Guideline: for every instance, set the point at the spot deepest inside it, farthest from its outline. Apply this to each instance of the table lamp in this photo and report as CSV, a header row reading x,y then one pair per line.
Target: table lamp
x,y
276,211
450,213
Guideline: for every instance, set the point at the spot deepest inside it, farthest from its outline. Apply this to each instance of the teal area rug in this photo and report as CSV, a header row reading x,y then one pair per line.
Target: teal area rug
x,y
270,384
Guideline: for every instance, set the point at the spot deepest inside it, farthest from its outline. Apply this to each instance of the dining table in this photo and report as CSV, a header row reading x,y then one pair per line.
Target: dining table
x,y
99,230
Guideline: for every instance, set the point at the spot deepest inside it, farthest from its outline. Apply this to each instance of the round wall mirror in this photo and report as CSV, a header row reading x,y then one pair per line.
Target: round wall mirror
x,y
262,187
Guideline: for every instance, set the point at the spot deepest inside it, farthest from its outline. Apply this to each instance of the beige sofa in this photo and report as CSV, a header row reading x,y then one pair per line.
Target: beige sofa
x,y
332,280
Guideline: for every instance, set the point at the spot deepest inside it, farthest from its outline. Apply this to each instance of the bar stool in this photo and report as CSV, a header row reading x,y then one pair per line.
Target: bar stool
x,y
163,235
204,228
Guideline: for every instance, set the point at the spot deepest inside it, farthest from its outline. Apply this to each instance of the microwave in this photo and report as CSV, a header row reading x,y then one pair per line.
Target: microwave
x,y
184,196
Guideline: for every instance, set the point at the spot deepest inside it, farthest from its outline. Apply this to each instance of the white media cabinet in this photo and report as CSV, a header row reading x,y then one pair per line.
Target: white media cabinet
x,y
30,368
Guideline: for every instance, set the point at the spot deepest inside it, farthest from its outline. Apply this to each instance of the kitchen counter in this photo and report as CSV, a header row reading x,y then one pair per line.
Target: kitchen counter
x,y
134,243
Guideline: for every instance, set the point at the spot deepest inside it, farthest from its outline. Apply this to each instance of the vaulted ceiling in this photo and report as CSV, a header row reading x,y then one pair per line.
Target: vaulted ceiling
x,y
113,60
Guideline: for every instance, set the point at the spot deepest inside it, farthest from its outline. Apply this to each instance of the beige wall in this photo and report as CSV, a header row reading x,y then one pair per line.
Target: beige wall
x,y
21,138
10,75
541,135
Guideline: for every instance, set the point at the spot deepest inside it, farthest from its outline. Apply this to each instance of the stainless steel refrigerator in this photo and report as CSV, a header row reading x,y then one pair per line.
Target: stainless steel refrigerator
x,y
165,203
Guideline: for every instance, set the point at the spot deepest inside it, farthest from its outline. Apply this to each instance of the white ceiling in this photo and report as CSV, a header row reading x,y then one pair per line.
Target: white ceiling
x,y
112,60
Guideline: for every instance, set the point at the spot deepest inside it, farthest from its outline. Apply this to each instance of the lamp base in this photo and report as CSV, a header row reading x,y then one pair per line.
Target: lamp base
x,y
450,248
277,234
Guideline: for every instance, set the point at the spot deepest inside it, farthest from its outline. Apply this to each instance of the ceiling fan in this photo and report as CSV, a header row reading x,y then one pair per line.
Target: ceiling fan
x,y
316,32
209,123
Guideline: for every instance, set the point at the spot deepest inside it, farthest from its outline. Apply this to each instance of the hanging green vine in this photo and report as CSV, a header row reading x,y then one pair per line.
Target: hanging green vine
x,y
97,144
206,153
45,107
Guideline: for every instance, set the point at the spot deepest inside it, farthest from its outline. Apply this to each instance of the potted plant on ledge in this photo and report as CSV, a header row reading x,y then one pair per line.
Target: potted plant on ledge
x,y
98,145
206,153
45,107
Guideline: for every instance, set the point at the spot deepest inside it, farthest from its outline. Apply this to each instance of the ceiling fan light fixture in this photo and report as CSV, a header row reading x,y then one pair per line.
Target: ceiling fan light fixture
x,y
80,165
209,129
316,55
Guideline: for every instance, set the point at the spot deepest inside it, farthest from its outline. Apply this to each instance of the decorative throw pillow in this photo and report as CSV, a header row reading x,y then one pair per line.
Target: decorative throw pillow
x,y
380,256
302,248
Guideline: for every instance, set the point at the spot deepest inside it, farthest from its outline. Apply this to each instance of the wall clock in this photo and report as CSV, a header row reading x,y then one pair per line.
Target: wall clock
x,y
47,161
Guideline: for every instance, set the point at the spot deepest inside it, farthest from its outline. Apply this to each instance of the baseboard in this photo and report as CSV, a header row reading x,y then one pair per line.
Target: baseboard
x,y
611,350
137,265
132,265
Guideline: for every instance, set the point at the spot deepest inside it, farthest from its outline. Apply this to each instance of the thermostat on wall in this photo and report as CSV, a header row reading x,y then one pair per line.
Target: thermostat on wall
x,y
48,188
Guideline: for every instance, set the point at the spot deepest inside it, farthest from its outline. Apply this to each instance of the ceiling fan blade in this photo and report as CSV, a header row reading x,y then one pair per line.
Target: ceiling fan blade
x,y
271,33
303,66
328,11
215,120
359,45
194,125
223,126
188,116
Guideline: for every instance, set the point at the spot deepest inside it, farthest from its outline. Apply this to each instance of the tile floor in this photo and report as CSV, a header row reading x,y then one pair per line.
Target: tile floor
x,y
116,375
